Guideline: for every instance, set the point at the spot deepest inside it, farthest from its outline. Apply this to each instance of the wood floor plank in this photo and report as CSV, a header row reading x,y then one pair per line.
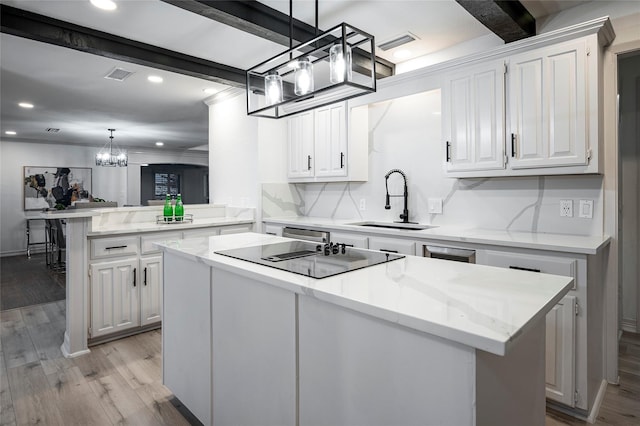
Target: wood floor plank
x,y
34,401
120,402
95,365
7,414
76,402
56,311
34,315
10,321
126,359
158,398
47,338
17,347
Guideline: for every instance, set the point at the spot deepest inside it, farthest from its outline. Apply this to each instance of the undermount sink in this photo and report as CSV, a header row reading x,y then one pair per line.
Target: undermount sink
x,y
395,225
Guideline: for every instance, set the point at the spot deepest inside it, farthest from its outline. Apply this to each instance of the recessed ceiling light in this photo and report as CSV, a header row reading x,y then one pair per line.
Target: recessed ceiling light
x,y
155,79
25,105
10,132
104,4
402,54
159,143
209,90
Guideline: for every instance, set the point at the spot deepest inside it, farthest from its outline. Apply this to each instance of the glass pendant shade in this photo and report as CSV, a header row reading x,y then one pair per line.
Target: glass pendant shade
x,y
303,77
273,88
339,64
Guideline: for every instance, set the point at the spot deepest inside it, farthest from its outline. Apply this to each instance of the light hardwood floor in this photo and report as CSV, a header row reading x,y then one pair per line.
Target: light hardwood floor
x,y
120,382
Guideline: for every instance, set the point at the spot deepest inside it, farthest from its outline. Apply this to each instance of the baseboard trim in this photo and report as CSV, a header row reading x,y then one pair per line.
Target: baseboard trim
x,y
595,409
629,325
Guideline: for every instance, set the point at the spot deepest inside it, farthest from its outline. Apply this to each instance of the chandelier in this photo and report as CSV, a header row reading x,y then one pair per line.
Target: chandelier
x,y
108,158
318,72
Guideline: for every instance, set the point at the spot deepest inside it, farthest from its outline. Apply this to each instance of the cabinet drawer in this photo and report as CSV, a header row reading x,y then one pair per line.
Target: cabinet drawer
x,y
273,229
111,247
546,264
392,245
202,232
146,241
236,229
355,240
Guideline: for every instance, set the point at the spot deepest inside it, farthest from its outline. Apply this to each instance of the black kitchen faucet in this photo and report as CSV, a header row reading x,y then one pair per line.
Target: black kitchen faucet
x,y
405,213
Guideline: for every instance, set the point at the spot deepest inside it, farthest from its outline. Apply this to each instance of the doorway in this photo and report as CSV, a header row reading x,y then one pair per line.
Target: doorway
x,y
628,184
158,180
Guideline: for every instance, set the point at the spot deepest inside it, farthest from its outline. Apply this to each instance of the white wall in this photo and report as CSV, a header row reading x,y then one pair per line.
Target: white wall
x,y
109,183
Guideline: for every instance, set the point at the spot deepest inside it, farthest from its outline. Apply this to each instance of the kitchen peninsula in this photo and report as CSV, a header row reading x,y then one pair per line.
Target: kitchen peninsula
x,y
113,271
410,341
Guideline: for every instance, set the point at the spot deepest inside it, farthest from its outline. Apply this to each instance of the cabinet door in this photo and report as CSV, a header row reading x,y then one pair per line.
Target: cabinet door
x,y
301,134
473,109
115,304
236,229
559,356
548,107
392,245
151,290
330,145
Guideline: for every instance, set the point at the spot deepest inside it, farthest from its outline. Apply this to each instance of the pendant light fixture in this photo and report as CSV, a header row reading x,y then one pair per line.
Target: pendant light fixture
x,y
107,157
315,73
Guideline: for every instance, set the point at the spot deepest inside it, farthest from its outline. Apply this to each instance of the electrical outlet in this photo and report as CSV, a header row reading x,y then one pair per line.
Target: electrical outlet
x,y
566,208
363,204
586,209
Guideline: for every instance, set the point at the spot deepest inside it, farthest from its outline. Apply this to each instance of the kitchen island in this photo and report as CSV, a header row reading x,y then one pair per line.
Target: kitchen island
x,y
411,341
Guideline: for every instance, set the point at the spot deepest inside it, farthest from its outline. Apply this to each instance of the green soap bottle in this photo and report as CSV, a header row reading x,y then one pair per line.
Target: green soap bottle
x,y
168,209
179,210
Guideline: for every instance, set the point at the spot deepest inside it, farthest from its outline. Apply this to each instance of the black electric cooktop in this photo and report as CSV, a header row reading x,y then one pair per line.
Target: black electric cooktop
x,y
309,258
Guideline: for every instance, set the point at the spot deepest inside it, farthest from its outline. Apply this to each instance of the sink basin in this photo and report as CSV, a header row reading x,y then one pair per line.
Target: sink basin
x,y
394,225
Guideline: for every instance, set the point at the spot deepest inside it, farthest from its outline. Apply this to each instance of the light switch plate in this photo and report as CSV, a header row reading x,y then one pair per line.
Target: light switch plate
x,y
586,209
434,205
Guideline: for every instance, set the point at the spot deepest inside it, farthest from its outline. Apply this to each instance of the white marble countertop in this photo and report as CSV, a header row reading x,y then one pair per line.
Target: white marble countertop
x,y
68,214
136,227
530,240
479,306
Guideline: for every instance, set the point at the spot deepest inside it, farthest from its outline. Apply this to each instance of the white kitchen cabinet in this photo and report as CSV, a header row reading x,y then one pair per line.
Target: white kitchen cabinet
x,y
150,290
548,106
115,304
560,353
272,229
300,146
328,144
392,245
236,229
473,118
350,239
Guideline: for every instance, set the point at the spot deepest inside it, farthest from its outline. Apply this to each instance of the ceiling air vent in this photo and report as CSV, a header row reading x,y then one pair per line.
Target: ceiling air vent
x,y
118,74
52,130
398,41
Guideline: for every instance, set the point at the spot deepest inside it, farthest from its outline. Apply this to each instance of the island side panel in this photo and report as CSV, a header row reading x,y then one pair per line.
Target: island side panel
x,y
254,352
511,388
360,370
186,333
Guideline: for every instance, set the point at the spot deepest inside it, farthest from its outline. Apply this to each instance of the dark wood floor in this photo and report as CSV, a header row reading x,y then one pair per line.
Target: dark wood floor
x,y
27,281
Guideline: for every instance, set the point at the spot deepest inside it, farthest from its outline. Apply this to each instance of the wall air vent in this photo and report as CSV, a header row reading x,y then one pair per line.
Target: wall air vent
x,y
397,41
52,130
118,74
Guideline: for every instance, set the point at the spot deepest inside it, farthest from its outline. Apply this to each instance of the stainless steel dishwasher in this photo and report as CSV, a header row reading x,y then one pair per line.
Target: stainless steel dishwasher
x,y
306,234
449,253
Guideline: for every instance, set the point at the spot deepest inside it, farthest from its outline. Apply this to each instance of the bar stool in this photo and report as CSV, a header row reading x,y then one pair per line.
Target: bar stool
x,y
56,245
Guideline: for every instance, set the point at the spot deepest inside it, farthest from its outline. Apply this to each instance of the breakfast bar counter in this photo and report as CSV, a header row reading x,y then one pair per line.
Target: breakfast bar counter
x,y
409,341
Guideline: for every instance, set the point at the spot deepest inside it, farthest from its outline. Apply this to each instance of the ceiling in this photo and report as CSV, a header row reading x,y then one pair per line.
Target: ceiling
x,y
70,93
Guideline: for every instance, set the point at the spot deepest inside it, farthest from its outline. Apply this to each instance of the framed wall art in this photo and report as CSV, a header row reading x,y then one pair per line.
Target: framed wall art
x,y
51,187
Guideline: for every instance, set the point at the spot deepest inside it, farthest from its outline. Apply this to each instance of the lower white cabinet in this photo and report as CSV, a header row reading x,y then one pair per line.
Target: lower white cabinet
x,y
115,296
392,245
355,240
560,355
151,290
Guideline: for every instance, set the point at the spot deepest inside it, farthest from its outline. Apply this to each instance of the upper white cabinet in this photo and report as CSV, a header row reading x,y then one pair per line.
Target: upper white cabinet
x,y
538,116
473,118
548,107
328,144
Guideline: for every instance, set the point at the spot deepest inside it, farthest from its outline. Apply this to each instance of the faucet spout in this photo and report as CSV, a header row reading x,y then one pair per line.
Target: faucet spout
x,y
405,212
